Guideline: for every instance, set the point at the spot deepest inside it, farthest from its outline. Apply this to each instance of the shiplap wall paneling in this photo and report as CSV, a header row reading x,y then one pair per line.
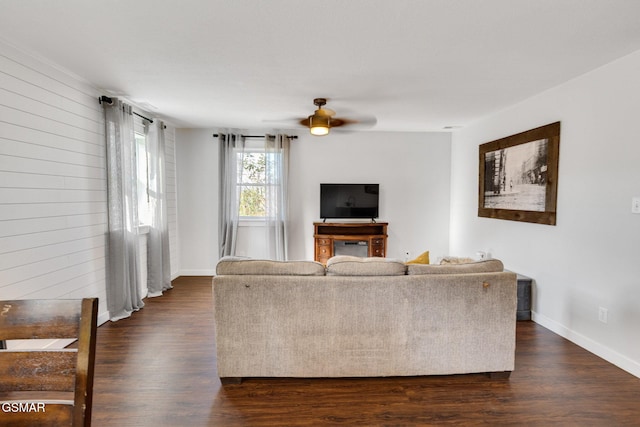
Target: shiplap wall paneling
x,y
52,183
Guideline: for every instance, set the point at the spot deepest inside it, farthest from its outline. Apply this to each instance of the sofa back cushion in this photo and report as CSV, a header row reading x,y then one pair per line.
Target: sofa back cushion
x,y
344,265
250,266
484,266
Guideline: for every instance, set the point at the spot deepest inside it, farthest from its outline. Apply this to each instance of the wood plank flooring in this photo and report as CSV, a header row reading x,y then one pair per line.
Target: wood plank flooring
x,y
158,368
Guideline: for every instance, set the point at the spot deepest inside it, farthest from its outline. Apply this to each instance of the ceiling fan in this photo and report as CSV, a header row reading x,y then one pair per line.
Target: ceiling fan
x,y
323,119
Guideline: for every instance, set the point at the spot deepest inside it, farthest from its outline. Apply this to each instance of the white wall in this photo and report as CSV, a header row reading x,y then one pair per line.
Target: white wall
x,y
53,208
590,259
411,168
53,199
197,183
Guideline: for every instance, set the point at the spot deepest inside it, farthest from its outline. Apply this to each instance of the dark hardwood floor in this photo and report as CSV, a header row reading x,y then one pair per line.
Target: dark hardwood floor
x,y
158,368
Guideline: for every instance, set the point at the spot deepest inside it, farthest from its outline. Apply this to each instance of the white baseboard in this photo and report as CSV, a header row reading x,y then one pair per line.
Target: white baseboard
x,y
103,318
588,344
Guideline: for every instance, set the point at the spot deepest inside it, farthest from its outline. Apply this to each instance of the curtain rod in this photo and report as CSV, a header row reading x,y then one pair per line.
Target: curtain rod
x,y
215,135
110,101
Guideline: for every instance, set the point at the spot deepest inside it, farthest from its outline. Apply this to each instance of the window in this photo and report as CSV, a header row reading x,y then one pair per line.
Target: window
x,y
253,183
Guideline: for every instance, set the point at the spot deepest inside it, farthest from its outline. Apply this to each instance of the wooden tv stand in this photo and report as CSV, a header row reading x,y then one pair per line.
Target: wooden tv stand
x,y
325,235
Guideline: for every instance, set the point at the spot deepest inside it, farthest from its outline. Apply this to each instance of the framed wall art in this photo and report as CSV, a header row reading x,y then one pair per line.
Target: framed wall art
x,y
518,176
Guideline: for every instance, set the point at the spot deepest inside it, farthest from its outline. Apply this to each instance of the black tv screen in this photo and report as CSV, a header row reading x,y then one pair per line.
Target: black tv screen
x,y
349,201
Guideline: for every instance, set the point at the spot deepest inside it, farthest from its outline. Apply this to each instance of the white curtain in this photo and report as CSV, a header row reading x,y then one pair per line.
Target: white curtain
x,y
158,258
277,202
230,145
123,294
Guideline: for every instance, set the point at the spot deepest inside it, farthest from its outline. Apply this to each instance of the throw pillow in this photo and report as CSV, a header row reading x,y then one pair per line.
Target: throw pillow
x,y
423,258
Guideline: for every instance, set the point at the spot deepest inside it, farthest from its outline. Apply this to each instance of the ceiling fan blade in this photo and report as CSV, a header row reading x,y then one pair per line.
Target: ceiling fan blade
x,y
286,120
362,123
359,123
327,115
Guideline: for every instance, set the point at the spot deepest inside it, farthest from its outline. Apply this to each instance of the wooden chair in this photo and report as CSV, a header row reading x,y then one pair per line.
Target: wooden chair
x,y
48,386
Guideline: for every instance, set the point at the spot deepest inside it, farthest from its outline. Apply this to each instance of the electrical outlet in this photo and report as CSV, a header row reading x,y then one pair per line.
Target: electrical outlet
x,y
635,205
603,313
406,256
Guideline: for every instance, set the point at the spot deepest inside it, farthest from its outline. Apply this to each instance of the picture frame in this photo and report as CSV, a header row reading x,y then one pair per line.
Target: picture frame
x,y
518,176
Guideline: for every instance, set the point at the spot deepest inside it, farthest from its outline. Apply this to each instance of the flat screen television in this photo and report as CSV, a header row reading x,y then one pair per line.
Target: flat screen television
x,y
347,201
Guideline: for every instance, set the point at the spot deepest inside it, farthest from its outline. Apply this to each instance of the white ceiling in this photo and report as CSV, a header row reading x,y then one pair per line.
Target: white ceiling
x,y
417,65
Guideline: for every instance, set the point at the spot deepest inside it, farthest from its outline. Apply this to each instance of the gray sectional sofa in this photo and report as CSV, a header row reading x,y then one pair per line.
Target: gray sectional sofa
x,y
362,317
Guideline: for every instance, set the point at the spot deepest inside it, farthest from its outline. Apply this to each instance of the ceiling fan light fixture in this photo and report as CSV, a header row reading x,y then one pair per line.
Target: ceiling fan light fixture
x,y
319,124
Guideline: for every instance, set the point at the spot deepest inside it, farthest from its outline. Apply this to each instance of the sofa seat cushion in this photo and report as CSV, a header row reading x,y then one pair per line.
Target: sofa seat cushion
x,y
345,265
484,266
250,266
